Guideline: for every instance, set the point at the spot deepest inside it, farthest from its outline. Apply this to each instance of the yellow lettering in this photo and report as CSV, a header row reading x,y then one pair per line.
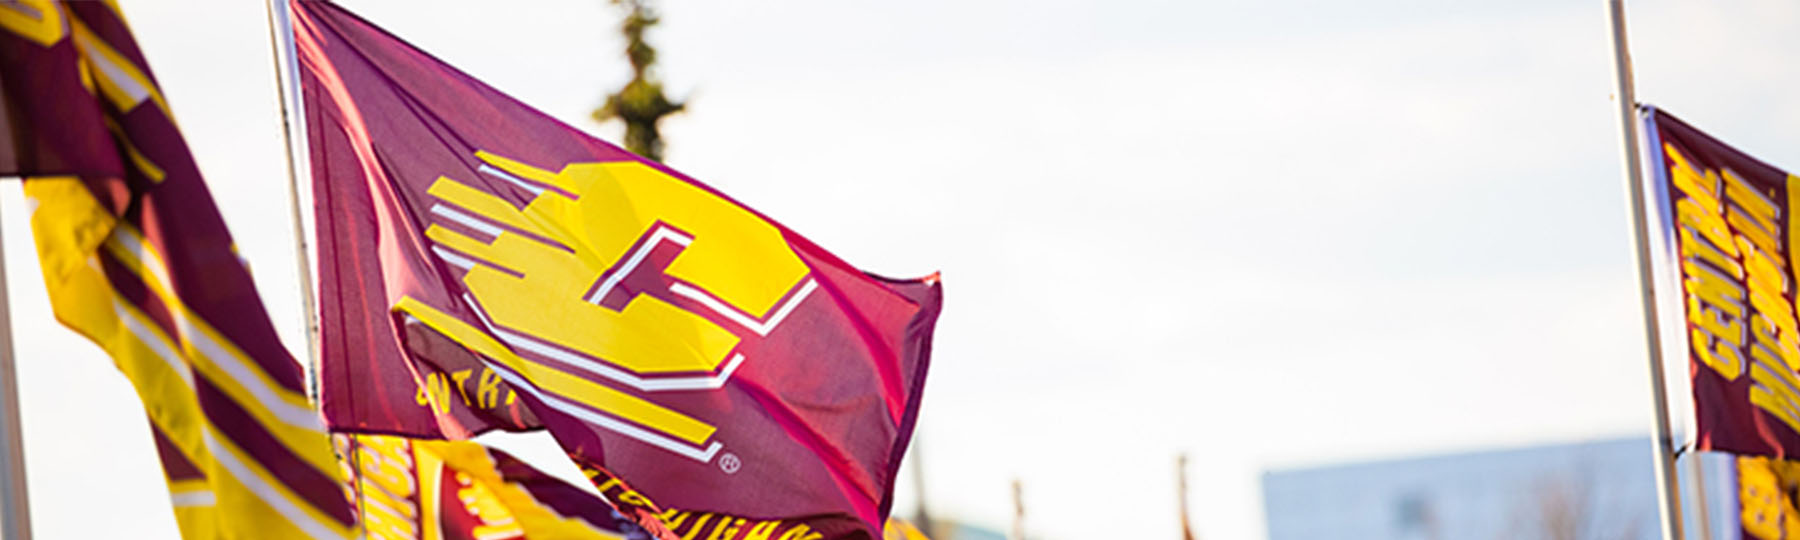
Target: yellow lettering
x,y
633,498
762,531
1755,202
1760,497
608,484
435,392
461,377
799,532
496,520
488,393
1783,350
1722,357
1693,245
1774,390
1708,223
699,523
1705,284
1688,178
1749,229
386,526
1765,265
726,529
1755,216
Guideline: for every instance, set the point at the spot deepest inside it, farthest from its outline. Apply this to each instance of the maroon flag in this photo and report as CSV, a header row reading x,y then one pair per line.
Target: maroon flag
x,y
1727,231
486,267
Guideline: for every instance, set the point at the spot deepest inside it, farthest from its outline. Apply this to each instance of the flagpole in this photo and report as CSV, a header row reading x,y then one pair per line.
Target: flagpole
x,y
293,118
1670,500
281,40
15,508
1702,514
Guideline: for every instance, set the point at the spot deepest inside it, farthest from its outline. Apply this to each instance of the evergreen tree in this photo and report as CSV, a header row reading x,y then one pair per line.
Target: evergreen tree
x,y
641,104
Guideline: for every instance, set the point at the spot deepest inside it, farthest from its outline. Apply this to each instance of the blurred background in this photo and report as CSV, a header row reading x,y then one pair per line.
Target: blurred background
x,y
1335,253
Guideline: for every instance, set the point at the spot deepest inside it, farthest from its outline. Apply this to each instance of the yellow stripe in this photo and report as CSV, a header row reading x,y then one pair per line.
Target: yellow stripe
x,y
67,224
430,470
272,487
92,44
173,406
480,202
46,28
297,428
527,172
180,416
558,382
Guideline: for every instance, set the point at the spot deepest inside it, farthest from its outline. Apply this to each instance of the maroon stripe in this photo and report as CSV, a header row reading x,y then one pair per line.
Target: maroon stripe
x,y
107,26
175,462
180,224
319,489
135,292
9,147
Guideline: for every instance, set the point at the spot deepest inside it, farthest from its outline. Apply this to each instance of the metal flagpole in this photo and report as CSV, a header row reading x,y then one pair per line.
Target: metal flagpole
x,y
293,119
293,116
15,509
1670,501
1697,474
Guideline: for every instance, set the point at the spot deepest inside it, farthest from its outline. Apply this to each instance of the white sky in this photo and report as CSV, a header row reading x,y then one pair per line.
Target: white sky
x,y
1266,233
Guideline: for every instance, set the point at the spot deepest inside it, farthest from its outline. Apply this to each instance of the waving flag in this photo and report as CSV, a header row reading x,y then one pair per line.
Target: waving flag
x,y
486,267
1728,234
137,259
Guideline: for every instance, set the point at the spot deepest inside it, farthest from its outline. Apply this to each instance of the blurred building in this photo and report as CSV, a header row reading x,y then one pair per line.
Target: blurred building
x,y
1603,490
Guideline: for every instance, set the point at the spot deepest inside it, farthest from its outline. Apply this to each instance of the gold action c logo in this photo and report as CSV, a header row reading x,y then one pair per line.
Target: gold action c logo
x,y
600,264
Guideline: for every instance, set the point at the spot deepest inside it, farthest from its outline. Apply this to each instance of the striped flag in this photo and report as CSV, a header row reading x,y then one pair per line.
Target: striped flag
x,y
137,258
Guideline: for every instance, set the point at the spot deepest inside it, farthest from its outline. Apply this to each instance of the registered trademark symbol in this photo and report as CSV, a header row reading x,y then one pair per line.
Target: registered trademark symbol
x,y
730,463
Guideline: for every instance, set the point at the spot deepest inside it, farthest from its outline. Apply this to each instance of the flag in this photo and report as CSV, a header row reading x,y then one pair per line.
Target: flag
x,y
484,266
1727,235
137,259
458,490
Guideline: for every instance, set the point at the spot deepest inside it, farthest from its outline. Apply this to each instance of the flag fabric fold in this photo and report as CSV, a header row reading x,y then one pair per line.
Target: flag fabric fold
x,y
458,490
484,266
137,258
